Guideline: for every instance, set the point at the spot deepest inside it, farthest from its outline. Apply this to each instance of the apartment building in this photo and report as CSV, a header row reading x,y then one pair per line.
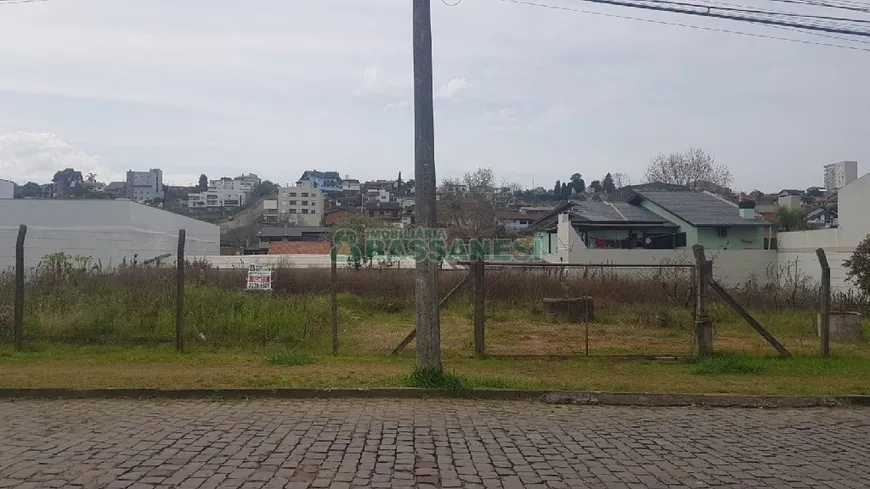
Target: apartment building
x,y
244,183
216,198
144,186
303,204
840,174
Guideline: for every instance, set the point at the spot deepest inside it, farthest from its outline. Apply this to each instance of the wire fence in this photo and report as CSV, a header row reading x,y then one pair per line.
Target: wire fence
x,y
646,310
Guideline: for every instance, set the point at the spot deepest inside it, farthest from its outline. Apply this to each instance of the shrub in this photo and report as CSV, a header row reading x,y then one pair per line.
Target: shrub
x,y
858,266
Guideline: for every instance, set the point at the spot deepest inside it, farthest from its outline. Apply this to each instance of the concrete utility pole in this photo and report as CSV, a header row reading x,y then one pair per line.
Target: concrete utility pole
x,y
428,318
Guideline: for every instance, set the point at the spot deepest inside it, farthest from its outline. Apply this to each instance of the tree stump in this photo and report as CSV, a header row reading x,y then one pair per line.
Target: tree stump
x,y
573,309
843,326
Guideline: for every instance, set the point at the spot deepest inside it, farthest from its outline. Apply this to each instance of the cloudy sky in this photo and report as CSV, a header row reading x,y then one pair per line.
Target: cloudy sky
x,y
276,87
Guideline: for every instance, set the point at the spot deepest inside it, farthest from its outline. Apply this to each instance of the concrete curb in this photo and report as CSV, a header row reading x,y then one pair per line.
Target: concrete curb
x,y
564,398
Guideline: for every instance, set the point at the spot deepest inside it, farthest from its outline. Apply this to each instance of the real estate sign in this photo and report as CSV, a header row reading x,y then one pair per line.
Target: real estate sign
x,y
259,277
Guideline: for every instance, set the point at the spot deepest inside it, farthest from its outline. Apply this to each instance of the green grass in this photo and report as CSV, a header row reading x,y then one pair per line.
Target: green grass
x,y
725,364
429,378
290,358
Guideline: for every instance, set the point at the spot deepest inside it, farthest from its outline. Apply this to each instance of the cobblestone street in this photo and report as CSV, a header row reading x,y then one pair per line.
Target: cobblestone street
x,y
385,443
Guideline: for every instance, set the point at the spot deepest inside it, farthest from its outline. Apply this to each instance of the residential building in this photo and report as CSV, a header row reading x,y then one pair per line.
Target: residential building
x,y
334,216
350,186
269,212
217,199
327,181
822,217
379,195
598,224
301,204
110,232
244,183
7,189
115,189
707,219
840,174
515,220
64,182
387,211
268,235
789,199
380,184
144,186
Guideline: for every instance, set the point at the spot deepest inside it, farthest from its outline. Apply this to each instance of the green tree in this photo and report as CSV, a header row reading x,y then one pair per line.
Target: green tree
x,y
263,189
858,266
791,219
203,183
596,186
607,184
577,183
350,234
557,191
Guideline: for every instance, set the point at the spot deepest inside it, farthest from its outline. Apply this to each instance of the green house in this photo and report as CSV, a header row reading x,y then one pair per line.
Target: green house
x,y
708,219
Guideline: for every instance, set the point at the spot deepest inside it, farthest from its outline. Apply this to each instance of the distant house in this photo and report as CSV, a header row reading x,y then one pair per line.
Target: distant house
x,y
273,234
387,211
604,225
326,181
706,219
625,193
516,220
335,216
822,217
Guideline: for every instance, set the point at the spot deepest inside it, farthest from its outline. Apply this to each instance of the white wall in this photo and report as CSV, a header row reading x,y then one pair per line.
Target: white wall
x,y
731,267
797,250
107,231
7,189
852,211
292,261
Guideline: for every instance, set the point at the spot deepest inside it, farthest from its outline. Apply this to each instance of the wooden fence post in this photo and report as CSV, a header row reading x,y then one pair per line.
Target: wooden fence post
x,y
702,333
334,293
179,293
19,287
478,269
825,304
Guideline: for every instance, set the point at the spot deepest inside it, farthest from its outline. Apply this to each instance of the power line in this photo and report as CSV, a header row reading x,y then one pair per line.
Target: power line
x,y
853,6
747,10
690,26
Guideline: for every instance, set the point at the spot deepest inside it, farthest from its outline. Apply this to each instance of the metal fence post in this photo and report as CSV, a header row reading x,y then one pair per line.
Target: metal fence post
x,y
179,294
19,287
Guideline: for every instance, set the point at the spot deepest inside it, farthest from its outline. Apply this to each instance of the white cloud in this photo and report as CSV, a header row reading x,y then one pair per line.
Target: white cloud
x,y
36,157
452,88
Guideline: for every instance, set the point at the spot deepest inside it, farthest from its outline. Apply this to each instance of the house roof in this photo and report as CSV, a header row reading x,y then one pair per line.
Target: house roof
x,y
320,174
516,215
299,248
342,208
598,213
290,231
383,206
790,191
700,209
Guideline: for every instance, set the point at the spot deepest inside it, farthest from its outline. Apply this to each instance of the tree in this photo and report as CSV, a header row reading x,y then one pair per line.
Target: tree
x,y
565,192
262,190
621,180
30,190
858,266
91,178
203,183
608,185
557,191
470,214
596,186
577,183
695,169
351,231
791,219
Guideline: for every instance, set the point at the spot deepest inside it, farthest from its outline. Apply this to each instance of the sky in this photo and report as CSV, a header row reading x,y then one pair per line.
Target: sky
x,y
276,87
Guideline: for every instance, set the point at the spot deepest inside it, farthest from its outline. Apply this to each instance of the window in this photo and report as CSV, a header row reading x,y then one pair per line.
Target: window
x,y
305,194
680,240
305,211
314,204
292,211
302,202
312,211
292,202
722,232
292,194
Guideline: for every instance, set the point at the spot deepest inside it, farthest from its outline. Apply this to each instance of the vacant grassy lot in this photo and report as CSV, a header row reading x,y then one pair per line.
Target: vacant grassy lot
x,y
92,329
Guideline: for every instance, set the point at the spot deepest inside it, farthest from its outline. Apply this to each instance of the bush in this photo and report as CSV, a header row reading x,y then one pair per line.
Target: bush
x,y
430,378
290,358
858,266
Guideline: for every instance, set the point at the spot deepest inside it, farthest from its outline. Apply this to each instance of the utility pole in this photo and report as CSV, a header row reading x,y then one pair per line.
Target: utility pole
x,y
428,316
